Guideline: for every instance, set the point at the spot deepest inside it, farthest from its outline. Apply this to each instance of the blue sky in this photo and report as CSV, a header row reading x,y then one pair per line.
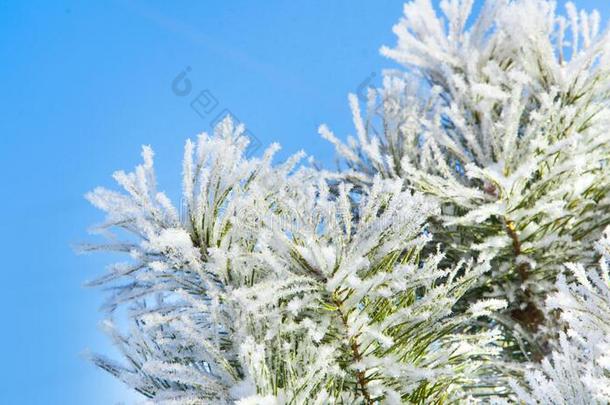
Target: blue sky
x,y
84,84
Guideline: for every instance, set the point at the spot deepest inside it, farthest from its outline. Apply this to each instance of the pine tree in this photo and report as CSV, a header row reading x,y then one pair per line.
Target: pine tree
x,y
505,121
449,262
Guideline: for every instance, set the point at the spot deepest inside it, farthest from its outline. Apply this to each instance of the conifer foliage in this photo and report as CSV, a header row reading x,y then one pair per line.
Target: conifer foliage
x,y
271,290
508,128
578,370
449,260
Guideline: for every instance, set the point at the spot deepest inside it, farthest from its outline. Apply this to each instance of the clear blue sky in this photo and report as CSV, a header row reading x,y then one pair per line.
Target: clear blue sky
x,y
85,84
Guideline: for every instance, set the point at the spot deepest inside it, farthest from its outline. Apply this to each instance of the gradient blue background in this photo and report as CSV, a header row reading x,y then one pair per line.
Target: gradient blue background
x,y
84,84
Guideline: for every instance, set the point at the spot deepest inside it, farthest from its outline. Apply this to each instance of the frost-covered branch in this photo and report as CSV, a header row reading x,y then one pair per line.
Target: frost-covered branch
x,y
183,338
361,292
273,289
509,132
578,370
